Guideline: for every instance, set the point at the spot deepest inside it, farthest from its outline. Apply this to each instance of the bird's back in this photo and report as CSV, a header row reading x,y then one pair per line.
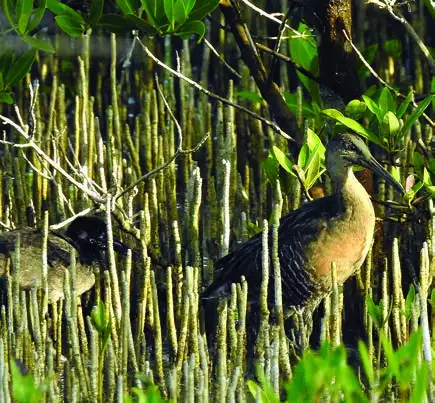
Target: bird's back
x,y
296,231
58,258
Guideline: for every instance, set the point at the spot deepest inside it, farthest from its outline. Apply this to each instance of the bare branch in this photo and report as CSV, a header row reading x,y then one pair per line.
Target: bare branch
x,y
269,123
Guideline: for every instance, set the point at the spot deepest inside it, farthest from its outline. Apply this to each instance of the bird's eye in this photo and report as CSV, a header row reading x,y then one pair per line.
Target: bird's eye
x,y
350,147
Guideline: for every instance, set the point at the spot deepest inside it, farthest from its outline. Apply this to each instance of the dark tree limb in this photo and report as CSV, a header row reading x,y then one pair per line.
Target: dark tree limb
x,y
250,56
337,60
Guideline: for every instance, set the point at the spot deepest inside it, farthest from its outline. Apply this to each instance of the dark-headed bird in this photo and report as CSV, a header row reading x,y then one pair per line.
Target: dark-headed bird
x,y
338,228
86,234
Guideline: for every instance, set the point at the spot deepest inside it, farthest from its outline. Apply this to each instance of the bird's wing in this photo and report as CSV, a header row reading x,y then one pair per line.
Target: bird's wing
x,y
296,231
31,239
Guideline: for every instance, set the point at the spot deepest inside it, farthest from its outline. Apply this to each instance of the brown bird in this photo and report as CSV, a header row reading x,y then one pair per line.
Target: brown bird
x,y
338,228
86,234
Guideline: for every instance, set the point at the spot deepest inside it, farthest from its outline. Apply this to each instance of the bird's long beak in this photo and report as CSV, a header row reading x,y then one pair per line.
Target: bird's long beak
x,y
376,167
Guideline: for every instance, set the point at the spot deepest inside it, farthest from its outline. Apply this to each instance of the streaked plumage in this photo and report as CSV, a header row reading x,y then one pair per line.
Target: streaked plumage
x,y
338,228
86,234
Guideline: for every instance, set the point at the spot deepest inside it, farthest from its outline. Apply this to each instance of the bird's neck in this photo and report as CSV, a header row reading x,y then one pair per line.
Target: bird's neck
x,y
349,190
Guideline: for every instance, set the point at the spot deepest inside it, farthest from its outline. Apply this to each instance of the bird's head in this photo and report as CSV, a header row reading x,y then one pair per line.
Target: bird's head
x,y
89,236
346,149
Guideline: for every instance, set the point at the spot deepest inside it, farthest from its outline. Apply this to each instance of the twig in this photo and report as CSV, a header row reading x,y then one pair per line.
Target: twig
x,y
211,94
386,5
62,224
272,65
179,151
382,81
270,17
216,53
289,60
32,144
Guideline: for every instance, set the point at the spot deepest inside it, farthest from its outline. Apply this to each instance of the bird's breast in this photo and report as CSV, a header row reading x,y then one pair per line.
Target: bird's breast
x,y
345,239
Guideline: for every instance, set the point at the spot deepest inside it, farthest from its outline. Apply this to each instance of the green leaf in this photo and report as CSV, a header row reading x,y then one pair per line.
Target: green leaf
x,y
141,24
432,90
20,68
36,15
95,13
432,298
249,95
314,142
193,27
116,23
6,97
125,6
292,102
419,389
169,11
393,48
98,316
180,13
188,5
409,302
40,44
270,166
354,125
355,109
6,60
304,52
426,177
390,125
303,156
257,392
313,172
393,363
155,11
283,160
23,10
24,387
374,312
367,362
7,7
386,101
201,9
416,114
404,105
373,108
70,25
59,9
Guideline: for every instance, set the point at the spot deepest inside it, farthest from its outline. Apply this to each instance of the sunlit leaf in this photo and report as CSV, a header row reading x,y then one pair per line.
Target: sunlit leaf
x,y
390,125
373,107
71,26
36,15
201,9
192,27
304,52
283,160
249,95
6,97
386,101
20,67
40,44
366,361
61,9
354,125
355,109
404,105
417,113
23,10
